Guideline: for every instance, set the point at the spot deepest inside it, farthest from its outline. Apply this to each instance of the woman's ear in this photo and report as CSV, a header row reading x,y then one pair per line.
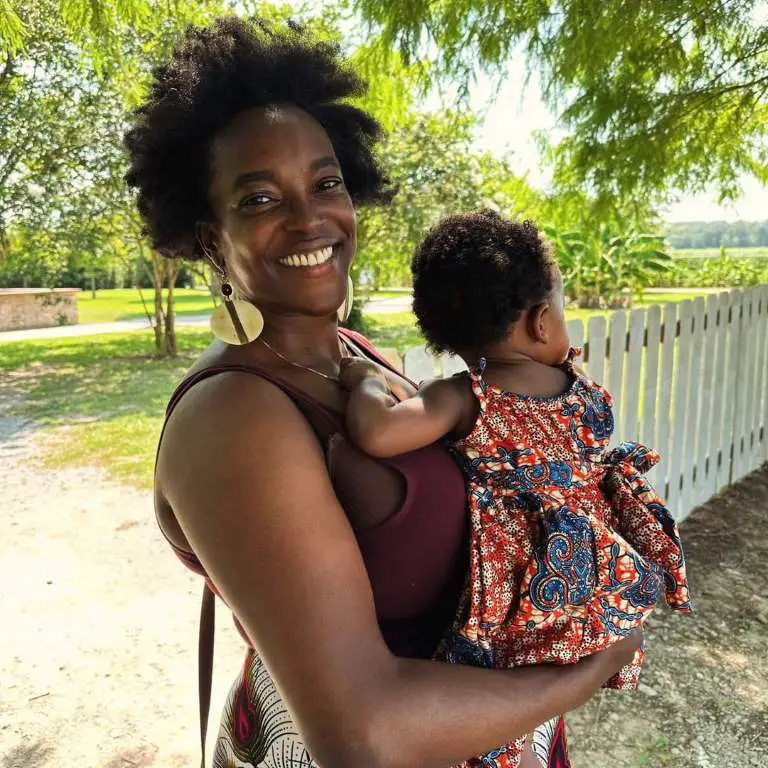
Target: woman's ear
x,y
538,323
207,242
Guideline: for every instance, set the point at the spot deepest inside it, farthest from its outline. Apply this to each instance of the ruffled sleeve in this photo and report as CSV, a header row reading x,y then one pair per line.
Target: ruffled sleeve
x,y
643,519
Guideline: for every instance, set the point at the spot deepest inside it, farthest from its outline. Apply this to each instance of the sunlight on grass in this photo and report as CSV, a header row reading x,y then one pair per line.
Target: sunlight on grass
x,y
123,446
101,398
397,330
125,304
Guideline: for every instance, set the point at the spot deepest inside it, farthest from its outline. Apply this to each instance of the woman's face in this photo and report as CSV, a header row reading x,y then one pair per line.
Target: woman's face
x,y
285,225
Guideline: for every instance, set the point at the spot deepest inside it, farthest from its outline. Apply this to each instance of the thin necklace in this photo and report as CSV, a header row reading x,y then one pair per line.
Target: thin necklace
x,y
298,365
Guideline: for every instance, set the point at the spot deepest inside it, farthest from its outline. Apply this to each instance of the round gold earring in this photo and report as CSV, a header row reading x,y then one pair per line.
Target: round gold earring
x,y
345,310
236,321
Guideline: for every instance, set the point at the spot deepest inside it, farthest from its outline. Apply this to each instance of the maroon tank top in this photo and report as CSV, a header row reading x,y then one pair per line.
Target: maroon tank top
x,y
416,557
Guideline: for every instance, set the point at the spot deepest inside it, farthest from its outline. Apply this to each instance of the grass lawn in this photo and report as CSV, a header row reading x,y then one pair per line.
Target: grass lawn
x,y
755,252
126,304
100,399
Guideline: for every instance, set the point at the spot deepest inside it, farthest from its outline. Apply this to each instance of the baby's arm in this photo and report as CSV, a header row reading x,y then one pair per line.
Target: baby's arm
x,y
383,426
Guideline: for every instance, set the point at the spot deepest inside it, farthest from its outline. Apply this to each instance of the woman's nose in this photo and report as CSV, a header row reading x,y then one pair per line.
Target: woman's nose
x,y
304,216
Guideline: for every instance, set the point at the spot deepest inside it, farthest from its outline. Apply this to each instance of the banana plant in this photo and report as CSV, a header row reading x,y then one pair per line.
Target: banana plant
x,y
606,269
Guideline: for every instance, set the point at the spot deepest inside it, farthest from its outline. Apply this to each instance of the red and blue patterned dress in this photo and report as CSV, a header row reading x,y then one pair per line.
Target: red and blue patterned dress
x,y
570,547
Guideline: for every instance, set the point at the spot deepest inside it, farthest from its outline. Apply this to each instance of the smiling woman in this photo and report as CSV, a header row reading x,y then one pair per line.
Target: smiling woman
x,y
342,571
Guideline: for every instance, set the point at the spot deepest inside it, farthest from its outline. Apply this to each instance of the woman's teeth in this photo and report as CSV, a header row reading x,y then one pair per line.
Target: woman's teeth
x,y
312,259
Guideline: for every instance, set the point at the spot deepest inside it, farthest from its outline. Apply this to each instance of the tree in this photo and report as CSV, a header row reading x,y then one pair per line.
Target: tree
x,y
96,23
436,170
64,109
608,267
654,94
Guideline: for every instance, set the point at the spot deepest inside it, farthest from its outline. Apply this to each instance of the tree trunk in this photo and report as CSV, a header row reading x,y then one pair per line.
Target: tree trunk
x,y
172,271
93,286
159,323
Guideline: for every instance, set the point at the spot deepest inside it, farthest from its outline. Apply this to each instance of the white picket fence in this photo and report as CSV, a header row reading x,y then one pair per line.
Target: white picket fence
x,y
689,379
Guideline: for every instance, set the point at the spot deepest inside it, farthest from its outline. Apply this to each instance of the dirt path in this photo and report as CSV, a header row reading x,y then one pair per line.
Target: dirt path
x,y
98,649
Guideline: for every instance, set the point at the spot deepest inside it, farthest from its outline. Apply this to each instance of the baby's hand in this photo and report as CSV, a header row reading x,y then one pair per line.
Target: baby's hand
x,y
354,370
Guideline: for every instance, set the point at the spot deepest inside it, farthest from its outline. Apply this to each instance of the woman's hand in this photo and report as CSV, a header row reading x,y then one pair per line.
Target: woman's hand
x,y
608,662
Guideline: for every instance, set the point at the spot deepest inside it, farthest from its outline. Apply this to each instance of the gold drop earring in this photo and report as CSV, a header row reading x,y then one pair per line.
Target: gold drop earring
x,y
345,310
234,321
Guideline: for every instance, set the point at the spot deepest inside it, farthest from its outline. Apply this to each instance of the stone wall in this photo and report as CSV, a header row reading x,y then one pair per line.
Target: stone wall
x,y
37,308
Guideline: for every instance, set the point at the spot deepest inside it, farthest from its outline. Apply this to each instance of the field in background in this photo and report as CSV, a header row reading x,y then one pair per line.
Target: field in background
x,y
399,330
714,253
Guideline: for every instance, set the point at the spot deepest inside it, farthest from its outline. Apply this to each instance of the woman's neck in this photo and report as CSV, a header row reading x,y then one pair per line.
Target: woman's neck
x,y
311,341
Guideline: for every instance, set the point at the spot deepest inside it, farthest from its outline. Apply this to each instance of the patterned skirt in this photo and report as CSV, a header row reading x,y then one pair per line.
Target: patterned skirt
x,y
257,731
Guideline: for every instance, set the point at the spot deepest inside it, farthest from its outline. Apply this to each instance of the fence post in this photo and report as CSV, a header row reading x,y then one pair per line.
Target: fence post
x,y
650,393
418,364
678,488
707,460
632,402
691,477
762,405
617,339
666,375
596,354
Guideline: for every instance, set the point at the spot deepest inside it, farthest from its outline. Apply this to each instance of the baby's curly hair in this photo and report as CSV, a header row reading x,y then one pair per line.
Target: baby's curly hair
x,y
474,275
215,73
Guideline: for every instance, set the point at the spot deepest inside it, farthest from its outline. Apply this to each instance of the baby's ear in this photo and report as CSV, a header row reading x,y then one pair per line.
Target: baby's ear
x,y
538,323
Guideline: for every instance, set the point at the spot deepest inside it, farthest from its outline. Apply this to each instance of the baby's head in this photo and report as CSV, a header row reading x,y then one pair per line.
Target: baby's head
x,y
481,281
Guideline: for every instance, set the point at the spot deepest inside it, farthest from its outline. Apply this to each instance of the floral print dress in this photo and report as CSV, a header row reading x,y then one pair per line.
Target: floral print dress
x,y
570,547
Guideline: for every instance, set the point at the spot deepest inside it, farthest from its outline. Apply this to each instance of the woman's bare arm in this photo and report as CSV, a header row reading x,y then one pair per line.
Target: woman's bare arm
x,y
247,481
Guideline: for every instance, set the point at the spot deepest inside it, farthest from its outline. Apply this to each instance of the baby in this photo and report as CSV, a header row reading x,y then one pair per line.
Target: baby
x,y
570,548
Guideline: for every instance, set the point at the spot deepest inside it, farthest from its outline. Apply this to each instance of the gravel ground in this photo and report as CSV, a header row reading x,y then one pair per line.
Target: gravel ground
x,y
703,697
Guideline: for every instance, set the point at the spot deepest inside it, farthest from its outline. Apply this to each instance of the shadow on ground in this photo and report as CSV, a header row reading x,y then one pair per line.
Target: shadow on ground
x,y
33,755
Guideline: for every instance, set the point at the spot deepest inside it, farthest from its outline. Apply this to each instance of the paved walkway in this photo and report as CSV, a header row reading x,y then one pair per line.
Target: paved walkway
x,y
383,307
122,326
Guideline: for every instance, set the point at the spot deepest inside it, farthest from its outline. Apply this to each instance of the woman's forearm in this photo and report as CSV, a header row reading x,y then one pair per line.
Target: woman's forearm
x,y
433,715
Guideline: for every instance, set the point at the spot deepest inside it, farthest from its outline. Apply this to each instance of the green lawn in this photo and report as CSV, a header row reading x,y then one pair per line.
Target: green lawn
x,y
100,399
126,304
756,252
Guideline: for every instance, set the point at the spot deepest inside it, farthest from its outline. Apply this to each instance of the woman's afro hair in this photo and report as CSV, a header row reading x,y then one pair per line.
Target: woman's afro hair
x,y
474,275
214,74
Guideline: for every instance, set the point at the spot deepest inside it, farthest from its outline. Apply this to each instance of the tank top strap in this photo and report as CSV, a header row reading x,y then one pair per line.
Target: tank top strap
x,y
359,344
478,382
302,400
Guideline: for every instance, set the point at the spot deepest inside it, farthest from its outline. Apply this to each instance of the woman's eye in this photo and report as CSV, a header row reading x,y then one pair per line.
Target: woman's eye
x,y
255,200
330,183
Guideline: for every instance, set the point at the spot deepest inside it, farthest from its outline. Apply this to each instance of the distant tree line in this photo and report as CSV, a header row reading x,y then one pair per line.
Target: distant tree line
x,y
713,234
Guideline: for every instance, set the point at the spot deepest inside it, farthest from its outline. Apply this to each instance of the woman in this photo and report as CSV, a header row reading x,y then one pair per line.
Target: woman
x,y
342,571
